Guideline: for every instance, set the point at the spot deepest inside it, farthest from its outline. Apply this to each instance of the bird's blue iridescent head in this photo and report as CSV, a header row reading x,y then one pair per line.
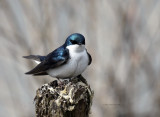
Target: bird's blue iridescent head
x,y
75,38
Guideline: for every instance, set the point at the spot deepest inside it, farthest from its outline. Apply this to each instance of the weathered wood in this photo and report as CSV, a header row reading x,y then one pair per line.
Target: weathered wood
x,y
65,99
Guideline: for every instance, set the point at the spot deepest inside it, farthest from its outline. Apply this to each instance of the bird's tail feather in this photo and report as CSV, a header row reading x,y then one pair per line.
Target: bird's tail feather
x,y
37,74
42,73
35,57
38,69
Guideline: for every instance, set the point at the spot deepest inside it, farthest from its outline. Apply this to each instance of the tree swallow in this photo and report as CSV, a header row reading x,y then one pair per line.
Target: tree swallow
x,y
68,61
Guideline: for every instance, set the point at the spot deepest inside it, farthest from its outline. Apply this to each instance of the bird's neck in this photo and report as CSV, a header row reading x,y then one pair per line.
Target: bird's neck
x,y
76,48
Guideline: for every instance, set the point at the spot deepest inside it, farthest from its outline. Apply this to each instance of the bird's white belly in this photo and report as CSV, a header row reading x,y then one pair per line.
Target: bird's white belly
x,y
77,63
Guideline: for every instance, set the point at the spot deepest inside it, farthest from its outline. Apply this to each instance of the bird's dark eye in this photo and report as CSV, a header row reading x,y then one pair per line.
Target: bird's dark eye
x,y
73,41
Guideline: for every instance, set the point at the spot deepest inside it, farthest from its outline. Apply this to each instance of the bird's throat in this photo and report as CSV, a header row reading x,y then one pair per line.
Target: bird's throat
x,y
76,48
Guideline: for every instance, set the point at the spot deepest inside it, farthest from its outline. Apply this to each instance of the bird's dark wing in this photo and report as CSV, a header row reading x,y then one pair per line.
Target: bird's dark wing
x,y
35,57
90,58
52,60
40,74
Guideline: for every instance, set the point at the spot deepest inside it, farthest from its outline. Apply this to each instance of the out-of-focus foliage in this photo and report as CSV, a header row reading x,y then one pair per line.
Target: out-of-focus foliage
x,y
123,37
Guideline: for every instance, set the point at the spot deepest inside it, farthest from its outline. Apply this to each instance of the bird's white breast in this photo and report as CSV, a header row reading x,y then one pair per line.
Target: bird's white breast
x,y
77,63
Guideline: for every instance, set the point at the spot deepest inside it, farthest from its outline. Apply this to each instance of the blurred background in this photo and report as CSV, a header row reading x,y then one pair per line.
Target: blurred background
x,y
123,37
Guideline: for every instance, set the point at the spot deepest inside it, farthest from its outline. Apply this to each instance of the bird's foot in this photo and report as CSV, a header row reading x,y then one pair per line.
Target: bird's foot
x,y
59,81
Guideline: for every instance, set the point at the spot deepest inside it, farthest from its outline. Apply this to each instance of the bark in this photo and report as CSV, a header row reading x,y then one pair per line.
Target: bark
x,y
71,98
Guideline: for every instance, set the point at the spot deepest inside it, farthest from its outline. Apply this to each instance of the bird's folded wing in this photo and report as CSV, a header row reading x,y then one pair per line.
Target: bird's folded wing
x,y
90,58
52,60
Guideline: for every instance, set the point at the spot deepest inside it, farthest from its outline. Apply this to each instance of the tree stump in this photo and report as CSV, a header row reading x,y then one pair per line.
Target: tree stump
x,y
69,98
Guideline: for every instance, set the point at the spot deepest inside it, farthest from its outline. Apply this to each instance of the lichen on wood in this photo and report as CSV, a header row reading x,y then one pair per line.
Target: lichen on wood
x,y
69,98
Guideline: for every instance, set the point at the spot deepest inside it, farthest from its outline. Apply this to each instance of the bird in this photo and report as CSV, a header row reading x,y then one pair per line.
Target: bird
x,y
67,61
